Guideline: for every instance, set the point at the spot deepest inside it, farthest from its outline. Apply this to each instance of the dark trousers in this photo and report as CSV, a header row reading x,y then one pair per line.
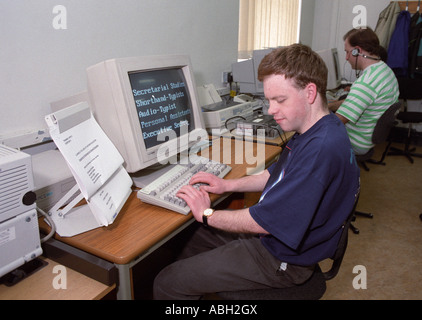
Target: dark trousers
x,y
215,261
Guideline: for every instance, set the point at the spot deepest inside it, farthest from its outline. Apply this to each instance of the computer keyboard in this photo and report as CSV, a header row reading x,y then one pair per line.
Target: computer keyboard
x,y
162,191
340,94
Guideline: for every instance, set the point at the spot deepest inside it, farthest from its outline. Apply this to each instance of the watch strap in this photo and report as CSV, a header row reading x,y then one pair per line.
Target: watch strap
x,y
205,220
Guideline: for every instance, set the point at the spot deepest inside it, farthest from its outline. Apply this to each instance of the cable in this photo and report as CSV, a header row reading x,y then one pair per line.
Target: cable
x,y
283,139
357,72
229,119
50,222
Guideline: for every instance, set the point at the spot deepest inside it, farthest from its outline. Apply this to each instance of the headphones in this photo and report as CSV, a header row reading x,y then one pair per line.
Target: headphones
x,y
356,52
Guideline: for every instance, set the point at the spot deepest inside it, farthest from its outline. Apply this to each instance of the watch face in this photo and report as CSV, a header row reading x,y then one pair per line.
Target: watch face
x,y
208,212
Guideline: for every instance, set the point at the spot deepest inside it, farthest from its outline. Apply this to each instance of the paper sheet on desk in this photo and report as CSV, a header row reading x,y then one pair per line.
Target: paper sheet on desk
x,y
110,198
97,167
91,155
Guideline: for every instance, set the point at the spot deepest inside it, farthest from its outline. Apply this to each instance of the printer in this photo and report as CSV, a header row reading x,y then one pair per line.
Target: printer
x,y
220,116
19,231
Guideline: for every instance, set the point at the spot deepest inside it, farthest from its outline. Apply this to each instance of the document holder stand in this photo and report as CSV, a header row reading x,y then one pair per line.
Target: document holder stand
x,y
98,170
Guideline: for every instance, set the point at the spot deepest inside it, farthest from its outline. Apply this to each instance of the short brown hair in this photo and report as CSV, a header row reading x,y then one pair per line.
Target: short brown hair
x,y
297,62
365,38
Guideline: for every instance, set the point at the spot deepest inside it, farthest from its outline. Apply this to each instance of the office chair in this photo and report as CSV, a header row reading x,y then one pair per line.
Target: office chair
x,y
409,89
313,289
381,133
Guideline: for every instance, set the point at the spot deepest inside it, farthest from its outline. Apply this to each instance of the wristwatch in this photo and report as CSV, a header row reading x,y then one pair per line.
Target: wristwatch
x,y
206,214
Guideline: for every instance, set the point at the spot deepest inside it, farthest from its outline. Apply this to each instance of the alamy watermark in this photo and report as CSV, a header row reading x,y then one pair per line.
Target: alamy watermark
x,y
361,18
60,18
360,281
60,281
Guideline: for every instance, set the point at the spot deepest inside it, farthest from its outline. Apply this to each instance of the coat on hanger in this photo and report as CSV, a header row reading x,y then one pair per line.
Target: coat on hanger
x,y
387,23
398,49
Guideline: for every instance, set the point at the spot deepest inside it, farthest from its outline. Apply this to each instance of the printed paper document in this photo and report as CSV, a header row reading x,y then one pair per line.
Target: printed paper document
x,y
96,165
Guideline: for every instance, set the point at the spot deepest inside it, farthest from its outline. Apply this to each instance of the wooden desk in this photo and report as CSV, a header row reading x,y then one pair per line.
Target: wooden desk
x,y
39,286
140,228
277,141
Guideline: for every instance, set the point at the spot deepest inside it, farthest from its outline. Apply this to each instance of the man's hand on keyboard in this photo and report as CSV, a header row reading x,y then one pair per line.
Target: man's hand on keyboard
x,y
163,190
197,200
212,183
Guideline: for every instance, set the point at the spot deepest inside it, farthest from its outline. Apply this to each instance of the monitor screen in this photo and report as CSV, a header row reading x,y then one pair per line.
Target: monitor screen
x,y
330,57
147,106
245,73
162,103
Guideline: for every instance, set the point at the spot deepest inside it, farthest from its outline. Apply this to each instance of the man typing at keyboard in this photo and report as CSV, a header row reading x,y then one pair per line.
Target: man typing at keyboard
x,y
306,195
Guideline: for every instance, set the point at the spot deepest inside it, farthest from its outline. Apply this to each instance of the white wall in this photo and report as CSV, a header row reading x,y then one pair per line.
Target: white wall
x,y
334,18
307,22
40,64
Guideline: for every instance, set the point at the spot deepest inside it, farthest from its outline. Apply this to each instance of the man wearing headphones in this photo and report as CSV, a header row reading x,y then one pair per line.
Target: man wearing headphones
x,y
374,91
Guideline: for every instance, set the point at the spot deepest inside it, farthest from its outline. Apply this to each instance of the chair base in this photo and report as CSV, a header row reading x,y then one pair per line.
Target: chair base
x,y
408,153
361,214
370,160
366,168
364,214
363,165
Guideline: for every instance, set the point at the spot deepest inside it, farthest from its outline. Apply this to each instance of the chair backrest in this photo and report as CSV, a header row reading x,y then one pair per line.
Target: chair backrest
x,y
410,88
342,244
385,123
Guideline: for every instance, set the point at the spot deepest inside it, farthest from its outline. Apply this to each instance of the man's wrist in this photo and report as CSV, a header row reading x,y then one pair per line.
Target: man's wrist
x,y
206,215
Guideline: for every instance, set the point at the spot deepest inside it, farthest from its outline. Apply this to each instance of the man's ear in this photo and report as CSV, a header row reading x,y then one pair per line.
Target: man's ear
x,y
312,92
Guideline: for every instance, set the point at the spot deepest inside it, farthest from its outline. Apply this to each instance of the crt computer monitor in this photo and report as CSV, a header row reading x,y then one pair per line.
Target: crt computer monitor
x,y
245,73
330,57
147,106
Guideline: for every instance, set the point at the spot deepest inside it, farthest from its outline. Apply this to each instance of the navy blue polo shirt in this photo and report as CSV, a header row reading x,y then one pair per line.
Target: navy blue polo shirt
x,y
310,193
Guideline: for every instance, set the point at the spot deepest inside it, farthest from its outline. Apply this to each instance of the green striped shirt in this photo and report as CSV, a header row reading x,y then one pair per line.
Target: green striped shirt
x,y
369,97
